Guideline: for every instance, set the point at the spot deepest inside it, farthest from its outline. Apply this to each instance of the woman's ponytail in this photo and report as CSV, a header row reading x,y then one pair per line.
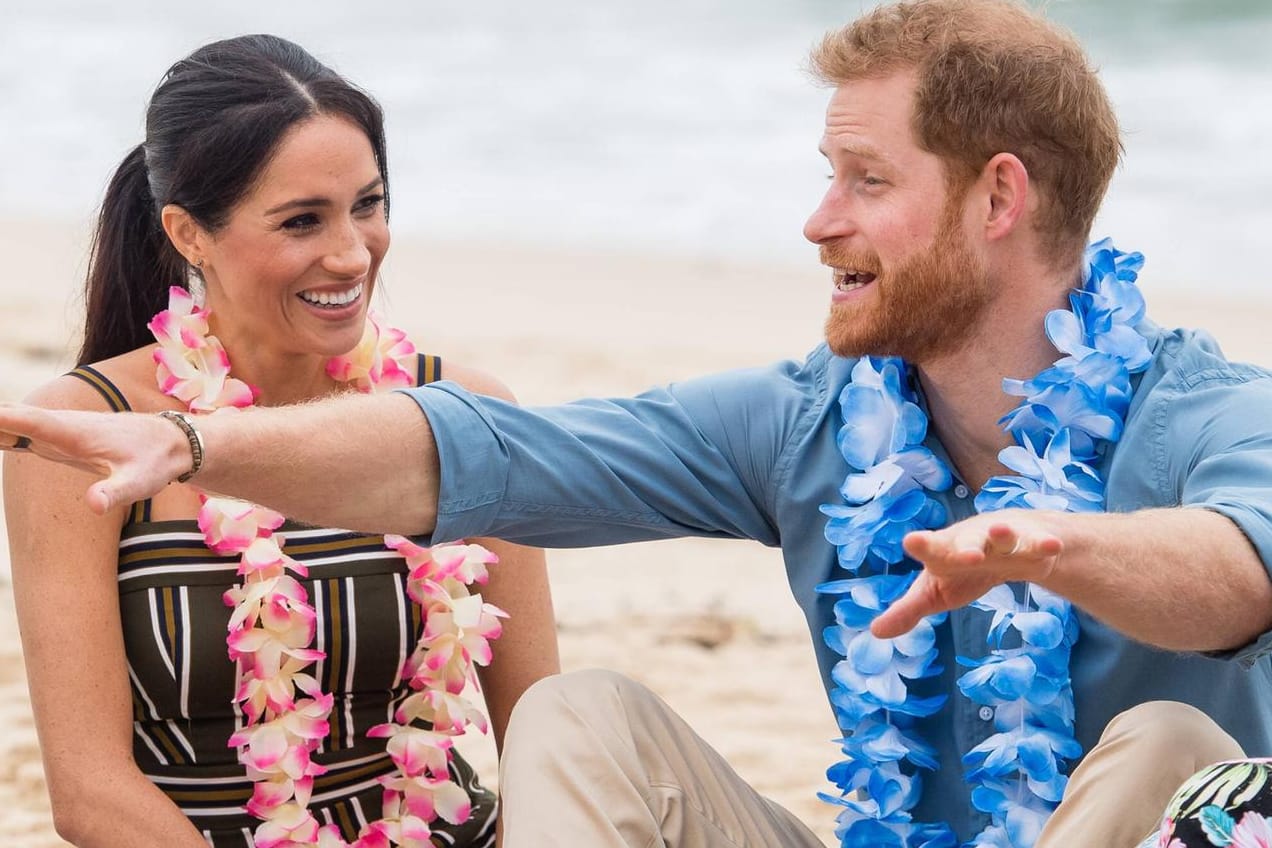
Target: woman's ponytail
x,y
131,266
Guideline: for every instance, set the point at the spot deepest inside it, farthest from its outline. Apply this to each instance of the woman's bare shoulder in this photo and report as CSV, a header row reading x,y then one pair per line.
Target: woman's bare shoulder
x,y
476,381
131,374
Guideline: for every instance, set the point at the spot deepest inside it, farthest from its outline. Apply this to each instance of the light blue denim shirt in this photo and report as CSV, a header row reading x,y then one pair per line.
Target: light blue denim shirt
x,y
751,454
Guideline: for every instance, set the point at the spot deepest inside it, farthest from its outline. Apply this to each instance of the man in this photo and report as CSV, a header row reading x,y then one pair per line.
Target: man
x,y
971,145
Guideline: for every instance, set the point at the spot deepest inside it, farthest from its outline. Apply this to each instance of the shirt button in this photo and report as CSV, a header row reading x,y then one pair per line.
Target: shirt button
x,y
961,491
986,713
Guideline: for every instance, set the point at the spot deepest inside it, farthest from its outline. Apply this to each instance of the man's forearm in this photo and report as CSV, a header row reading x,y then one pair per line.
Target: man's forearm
x,y
364,463
1179,579
361,462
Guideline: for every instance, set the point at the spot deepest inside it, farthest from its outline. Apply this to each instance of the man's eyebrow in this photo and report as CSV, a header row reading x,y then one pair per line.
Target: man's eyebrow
x,y
312,202
861,151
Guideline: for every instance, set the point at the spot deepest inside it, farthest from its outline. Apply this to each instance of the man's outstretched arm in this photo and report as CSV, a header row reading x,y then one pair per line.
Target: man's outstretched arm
x,y
363,462
1178,579
442,459
1191,574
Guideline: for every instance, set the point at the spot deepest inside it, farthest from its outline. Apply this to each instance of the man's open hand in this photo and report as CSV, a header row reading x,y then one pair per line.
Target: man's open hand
x,y
965,560
136,455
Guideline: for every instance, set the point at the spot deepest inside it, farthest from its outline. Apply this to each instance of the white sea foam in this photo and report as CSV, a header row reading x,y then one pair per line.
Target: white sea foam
x,y
682,126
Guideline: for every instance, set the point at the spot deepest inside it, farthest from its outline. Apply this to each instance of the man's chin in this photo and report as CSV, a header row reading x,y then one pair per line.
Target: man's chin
x,y
844,340
852,350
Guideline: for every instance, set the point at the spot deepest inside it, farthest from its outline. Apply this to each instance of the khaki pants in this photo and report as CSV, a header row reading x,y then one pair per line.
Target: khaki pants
x,y
595,760
1118,793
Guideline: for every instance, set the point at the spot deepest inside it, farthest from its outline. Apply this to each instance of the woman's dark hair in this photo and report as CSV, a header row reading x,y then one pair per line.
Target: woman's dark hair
x,y
212,125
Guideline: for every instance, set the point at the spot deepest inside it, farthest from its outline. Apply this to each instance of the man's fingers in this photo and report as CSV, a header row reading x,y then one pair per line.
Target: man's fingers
x,y
98,498
19,422
918,544
14,429
907,611
961,563
1004,541
895,620
928,545
106,445
121,486
1049,546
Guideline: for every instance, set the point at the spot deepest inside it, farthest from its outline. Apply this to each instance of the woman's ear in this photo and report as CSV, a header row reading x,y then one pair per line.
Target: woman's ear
x,y
184,232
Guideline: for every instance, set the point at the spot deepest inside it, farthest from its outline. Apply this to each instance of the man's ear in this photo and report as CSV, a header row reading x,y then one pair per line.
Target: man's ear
x,y
184,232
1005,183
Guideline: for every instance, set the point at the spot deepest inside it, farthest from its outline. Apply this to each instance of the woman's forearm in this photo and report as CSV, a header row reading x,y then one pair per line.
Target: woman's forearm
x,y
119,810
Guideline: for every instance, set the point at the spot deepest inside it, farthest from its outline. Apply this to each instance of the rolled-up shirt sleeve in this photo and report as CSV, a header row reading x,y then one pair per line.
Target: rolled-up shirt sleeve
x,y
1217,452
691,459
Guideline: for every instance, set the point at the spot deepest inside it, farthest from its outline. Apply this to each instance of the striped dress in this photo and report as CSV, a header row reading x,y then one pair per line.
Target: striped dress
x,y
174,623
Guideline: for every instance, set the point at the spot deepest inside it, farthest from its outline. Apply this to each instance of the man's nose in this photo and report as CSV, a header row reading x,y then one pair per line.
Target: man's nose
x,y
832,219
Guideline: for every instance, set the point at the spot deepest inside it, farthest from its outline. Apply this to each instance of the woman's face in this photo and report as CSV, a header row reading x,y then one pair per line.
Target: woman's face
x,y
293,267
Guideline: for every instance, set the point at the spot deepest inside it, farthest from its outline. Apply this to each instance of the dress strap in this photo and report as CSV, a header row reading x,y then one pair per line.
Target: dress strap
x,y
428,369
118,403
109,391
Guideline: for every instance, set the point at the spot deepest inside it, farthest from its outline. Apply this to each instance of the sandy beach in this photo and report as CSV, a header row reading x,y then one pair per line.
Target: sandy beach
x,y
709,625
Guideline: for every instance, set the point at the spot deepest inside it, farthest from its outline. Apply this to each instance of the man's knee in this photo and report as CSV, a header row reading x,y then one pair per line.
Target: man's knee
x,y
1171,727
578,723
594,703
575,694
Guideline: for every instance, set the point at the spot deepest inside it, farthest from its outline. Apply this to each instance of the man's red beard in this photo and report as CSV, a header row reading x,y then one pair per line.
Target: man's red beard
x,y
920,310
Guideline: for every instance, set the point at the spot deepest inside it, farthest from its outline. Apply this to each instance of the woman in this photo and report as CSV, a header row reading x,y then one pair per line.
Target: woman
x,y
262,184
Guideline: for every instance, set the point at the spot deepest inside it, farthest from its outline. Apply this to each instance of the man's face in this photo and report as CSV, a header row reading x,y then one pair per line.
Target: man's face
x,y
906,279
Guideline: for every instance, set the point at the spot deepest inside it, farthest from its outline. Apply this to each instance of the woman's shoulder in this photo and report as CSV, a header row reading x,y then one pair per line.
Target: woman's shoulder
x,y
475,380
124,382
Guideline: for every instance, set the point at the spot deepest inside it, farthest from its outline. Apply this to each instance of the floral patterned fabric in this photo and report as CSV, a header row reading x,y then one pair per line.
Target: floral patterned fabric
x,y
1222,805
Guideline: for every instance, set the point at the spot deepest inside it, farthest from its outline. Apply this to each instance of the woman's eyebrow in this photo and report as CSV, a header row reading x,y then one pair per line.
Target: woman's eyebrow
x,y
310,202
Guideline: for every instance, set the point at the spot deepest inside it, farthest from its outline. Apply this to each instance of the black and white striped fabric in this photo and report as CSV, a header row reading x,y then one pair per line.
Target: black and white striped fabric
x,y
174,622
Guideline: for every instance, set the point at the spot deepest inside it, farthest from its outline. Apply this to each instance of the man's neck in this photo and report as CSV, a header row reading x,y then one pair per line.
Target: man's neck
x,y
964,387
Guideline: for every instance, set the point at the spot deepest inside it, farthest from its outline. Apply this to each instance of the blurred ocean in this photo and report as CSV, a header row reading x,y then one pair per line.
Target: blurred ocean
x,y
673,126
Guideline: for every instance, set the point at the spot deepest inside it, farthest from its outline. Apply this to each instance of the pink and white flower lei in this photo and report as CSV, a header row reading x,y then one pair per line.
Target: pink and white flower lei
x,y
272,626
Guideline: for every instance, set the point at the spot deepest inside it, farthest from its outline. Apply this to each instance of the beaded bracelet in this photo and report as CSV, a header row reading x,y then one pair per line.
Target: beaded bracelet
x,y
193,436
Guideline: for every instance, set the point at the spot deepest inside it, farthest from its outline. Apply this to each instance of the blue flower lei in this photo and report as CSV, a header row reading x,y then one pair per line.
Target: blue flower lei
x,y
1069,412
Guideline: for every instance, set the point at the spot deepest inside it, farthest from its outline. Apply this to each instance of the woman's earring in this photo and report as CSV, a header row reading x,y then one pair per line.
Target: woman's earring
x,y
194,282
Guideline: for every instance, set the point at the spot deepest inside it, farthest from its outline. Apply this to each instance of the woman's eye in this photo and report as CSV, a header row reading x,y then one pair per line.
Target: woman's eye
x,y
301,222
370,202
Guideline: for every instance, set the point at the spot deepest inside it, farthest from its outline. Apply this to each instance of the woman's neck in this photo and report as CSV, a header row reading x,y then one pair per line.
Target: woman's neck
x,y
279,378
